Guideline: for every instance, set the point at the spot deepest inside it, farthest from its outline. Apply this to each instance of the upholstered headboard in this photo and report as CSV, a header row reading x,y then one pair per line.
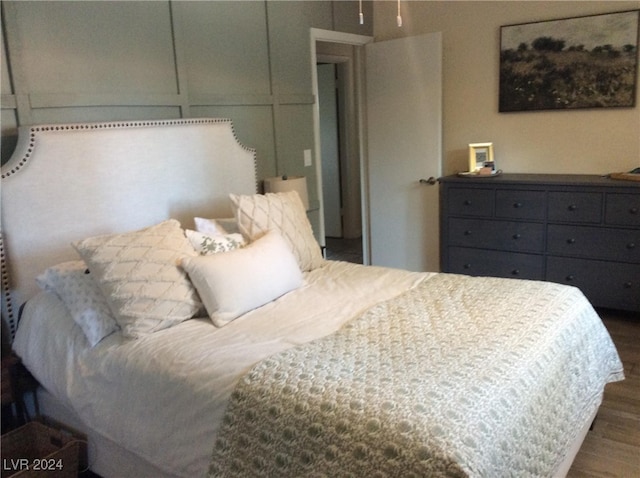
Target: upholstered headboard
x,y
67,182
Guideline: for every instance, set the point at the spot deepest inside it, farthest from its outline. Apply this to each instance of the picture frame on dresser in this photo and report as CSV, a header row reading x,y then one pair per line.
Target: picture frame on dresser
x,y
479,155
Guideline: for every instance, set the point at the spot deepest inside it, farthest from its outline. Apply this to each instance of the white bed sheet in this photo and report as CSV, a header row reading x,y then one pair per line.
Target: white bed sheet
x,y
163,396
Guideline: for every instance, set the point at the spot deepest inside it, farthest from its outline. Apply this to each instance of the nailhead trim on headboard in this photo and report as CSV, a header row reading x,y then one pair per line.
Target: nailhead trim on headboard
x,y
11,317
115,125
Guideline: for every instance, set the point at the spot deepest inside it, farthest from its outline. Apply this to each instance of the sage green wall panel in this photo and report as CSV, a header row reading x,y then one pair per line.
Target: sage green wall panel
x,y
9,122
9,133
289,37
103,113
5,83
295,134
8,118
254,129
225,47
104,61
95,47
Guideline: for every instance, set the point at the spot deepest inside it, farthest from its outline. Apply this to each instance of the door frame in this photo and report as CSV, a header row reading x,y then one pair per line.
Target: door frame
x,y
331,36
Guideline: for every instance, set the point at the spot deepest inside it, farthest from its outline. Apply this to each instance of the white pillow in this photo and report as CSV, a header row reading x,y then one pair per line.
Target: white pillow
x,y
236,282
74,285
206,244
283,212
139,274
225,225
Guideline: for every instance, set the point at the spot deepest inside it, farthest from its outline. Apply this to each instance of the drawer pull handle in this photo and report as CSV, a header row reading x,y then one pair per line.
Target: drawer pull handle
x,y
570,278
627,285
515,272
633,210
517,205
573,207
516,236
467,266
631,245
467,232
571,241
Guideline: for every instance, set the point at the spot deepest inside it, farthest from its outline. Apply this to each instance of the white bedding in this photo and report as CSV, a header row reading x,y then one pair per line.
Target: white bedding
x,y
174,426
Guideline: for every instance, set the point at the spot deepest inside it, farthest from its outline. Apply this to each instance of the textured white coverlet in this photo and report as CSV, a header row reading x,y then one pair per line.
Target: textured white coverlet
x,y
460,376
163,396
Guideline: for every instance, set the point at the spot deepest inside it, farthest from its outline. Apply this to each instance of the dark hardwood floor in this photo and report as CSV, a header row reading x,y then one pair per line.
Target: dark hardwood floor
x,y
612,448
349,250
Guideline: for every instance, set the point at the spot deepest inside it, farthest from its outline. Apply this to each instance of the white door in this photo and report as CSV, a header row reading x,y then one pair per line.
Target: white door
x,y
404,134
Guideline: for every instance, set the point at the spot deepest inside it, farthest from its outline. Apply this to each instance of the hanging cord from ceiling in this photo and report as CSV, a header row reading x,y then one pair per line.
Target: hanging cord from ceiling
x,y
361,15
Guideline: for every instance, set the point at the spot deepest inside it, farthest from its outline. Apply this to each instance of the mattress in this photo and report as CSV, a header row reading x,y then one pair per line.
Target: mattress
x,y
163,396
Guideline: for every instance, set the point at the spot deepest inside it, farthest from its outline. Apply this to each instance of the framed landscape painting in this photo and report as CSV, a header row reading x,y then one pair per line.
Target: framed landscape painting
x,y
581,62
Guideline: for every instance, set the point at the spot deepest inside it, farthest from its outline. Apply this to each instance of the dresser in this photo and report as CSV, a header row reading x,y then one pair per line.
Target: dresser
x,y
580,230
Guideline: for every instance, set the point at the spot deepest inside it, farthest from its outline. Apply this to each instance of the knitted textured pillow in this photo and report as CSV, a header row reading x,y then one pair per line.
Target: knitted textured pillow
x,y
284,213
139,274
207,244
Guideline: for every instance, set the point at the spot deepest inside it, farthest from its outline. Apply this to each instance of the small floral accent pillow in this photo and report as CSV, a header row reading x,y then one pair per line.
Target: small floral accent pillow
x,y
74,285
207,244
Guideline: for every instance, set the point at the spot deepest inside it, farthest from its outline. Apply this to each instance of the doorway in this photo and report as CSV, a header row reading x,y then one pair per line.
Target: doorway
x,y
398,133
340,163
338,119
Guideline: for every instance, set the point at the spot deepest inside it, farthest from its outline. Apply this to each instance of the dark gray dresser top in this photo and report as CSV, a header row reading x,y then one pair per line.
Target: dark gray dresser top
x,y
544,179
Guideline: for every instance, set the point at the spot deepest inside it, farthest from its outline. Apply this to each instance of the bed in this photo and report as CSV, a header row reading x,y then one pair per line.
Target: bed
x,y
190,326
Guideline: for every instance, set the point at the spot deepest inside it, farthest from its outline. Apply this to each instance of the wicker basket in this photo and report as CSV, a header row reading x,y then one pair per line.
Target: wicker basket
x,y
36,450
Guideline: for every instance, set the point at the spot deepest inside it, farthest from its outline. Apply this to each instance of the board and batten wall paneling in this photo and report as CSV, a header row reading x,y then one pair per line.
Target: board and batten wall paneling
x,y
8,118
66,62
223,57
292,84
225,52
85,61
82,47
253,126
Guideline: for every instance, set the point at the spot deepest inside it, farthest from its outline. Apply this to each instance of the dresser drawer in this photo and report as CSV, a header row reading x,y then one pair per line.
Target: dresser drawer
x,y
575,207
621,245
502,235
516,204
623,209
605,284
470,202
479,262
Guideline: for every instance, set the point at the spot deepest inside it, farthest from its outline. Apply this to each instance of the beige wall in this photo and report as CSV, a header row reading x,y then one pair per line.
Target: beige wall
x,y
578,141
